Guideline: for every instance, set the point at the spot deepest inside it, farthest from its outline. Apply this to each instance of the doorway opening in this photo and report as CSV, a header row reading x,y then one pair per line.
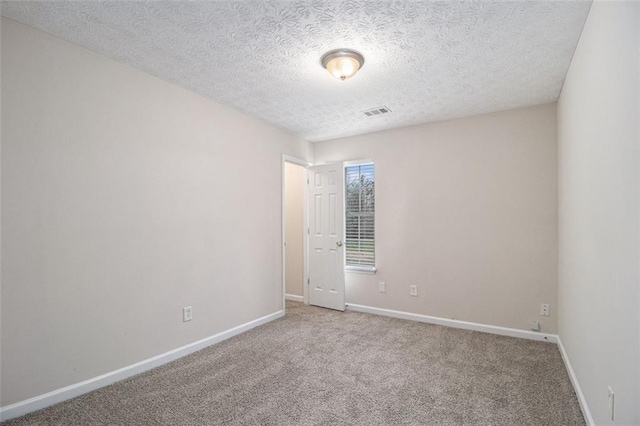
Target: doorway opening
x,y
313,217
294,230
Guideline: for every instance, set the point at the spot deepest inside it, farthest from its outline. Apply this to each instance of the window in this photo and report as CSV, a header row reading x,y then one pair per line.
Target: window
x,y
360,217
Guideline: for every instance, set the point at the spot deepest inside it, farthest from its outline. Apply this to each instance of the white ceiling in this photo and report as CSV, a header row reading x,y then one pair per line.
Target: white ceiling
x,y
426,61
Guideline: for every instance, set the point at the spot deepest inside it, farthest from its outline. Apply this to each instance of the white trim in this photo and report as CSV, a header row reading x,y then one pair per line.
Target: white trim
x,y
294,160
493,329
576,386
283,241
294,297
371,270
358,162
305,237
45,400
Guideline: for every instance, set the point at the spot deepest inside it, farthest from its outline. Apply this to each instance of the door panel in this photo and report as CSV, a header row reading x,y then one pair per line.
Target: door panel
x,y
326,264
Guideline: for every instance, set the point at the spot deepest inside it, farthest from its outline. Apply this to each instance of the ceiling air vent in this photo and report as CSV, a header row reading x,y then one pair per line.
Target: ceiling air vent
x,y
376,111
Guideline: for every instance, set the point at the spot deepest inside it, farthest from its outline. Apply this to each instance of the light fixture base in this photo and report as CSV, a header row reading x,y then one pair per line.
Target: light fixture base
x,y
342,63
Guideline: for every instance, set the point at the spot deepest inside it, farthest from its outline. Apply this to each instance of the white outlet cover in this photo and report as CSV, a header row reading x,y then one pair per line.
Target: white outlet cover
x,y
382,287
187,313
413,290
545,309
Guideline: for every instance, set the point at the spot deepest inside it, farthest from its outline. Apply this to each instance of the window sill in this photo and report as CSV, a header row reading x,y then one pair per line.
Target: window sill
x,y
370,270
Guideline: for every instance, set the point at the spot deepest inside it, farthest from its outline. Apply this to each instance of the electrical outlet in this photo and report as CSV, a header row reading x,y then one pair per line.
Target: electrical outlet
x,y
611,402
535,325
545,309
413,290
187,313
382,287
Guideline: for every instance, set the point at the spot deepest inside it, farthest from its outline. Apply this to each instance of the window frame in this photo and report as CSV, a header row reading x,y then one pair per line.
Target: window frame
x,y
360,269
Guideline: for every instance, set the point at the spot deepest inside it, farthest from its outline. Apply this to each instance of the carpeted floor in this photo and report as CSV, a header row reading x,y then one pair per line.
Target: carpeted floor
x,y
318,366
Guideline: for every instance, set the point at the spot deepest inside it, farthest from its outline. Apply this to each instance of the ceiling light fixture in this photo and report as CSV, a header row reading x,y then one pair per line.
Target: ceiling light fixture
x,y
342,63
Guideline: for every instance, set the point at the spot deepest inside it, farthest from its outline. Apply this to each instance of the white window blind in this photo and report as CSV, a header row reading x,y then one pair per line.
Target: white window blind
x,y
360,215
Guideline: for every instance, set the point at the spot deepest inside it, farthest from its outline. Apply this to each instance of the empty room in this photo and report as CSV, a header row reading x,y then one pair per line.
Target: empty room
x,y
320,212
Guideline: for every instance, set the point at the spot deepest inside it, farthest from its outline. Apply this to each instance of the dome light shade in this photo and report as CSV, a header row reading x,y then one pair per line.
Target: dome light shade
x,y
342,63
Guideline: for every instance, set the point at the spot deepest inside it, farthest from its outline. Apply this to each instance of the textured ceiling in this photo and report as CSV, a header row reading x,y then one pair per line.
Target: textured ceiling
x,y
426,61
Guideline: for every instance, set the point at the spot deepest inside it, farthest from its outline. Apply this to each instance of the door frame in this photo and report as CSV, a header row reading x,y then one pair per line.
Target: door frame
x,y
305,243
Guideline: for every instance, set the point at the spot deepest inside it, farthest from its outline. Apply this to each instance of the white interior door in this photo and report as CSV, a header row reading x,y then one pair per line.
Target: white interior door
x,y
326,228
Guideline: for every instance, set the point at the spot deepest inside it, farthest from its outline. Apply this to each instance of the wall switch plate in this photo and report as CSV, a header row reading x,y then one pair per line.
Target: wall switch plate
x,y
535,325
413,290
611,401
545,309
382,287
187,313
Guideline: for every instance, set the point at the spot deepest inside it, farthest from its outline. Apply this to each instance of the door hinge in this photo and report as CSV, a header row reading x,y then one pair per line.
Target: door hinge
x,y
308,232
307,181
308,281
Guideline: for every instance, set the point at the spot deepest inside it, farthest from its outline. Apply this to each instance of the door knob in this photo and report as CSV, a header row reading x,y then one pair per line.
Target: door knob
x,y
339,243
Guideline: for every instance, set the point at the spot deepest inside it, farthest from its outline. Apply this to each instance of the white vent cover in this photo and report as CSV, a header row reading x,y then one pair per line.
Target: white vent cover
x,y
376,111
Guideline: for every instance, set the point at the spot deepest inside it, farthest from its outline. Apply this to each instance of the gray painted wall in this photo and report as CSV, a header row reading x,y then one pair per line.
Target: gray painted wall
x,y
125,198
467,211
598,158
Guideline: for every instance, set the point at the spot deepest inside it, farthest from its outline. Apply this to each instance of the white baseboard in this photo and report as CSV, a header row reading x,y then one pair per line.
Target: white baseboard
x,y
493,329
576,386
77,389
294,298
72,391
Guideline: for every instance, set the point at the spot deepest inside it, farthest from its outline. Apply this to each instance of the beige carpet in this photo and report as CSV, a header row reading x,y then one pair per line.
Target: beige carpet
x,y
317,366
